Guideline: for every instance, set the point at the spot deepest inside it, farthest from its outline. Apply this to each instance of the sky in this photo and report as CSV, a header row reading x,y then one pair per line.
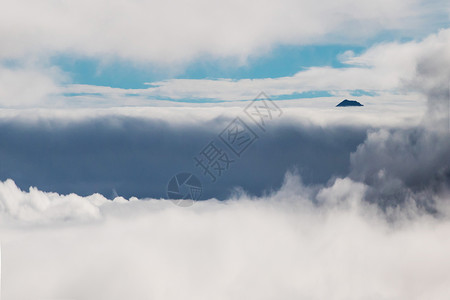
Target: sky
x,y
107,107
85,53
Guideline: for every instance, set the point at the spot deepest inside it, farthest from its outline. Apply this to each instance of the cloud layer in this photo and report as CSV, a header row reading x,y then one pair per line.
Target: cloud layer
x,y
326,204
295,243
182,31
367,219
136,156
382,71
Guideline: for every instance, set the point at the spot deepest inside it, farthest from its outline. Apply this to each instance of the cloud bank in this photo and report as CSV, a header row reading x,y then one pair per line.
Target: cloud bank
x,y
375,226
137,155
178,32
296,243
367,219
363,212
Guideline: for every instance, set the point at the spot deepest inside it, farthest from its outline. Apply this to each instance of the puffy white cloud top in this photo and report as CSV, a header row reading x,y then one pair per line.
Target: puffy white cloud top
x,y
296,243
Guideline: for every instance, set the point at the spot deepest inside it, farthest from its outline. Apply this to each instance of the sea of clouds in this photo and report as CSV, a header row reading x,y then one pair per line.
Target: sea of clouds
x,y
376,228
329,204
298,242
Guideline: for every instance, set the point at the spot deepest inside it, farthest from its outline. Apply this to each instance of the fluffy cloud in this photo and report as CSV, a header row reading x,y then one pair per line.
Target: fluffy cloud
x,y
384,69
399,163
377,229
368,220
403,165
279,246
179,31
37,206
29,85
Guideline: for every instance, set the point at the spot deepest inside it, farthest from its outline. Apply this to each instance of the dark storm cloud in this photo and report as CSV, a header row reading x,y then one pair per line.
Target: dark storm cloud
x,y
400,165
412,164
137,156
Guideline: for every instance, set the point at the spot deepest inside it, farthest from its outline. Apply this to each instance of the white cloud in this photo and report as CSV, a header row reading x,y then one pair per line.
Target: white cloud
x,y
178,31
390,68
398,111
385,69
25,86
36,206
280,246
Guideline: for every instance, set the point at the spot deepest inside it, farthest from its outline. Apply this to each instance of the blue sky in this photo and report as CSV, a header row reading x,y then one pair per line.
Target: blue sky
x,y
282,61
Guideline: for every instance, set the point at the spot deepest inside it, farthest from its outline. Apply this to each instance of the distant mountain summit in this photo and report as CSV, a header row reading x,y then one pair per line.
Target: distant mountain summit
x,y
349,103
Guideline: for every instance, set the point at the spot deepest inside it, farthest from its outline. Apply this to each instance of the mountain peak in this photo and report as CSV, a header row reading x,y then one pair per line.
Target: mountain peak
x,y
349,103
